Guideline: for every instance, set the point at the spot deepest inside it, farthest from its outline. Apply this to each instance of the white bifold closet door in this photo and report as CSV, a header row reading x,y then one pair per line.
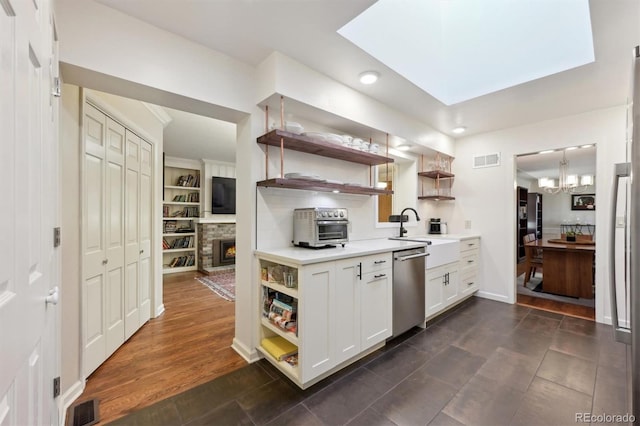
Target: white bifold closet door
x,y
115,305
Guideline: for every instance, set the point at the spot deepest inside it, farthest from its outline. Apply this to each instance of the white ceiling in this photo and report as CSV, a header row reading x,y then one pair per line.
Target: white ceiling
x,y
307,31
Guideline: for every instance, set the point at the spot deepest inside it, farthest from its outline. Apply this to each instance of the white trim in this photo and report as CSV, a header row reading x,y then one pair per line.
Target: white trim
x,y
494,296
218,163
69,397
249,355
182,163
117,115
219,221
160,113
159,310
622,323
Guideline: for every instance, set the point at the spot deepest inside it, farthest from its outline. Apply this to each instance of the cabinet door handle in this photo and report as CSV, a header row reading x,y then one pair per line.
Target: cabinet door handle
x,y
470,283
105,261
378,262
141,251
469,261
380,276
359,275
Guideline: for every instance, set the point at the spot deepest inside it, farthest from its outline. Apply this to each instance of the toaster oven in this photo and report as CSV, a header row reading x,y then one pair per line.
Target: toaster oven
x,y
319,227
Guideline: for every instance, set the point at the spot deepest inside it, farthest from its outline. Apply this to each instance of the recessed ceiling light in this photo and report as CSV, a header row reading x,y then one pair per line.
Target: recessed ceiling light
x,y
586,146
549,151
403,147
369,77
458,130
571,148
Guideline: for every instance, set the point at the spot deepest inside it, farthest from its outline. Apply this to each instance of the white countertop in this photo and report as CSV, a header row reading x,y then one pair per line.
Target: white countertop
x,y
460,237
305,256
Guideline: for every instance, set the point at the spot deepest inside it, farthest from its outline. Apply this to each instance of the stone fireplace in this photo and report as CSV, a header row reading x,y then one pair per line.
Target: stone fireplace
x,y
209,236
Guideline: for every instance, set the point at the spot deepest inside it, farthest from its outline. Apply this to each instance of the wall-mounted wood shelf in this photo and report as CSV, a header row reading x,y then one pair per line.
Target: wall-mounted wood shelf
x,y
436,174
326,149
310,185
436,197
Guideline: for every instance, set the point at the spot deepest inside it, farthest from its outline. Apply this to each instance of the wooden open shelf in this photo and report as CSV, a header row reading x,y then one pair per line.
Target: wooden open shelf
x,y
310,185
436,197
436,174
326,149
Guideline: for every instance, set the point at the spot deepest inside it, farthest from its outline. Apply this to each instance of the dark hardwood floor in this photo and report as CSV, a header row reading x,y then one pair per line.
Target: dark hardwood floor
x,y
188,345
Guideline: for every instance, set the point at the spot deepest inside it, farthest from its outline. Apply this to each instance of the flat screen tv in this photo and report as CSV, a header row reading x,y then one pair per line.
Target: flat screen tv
x,y
223,195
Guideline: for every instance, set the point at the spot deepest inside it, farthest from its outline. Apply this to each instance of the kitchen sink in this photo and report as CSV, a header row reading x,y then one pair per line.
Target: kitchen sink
x,y
416,239
441,251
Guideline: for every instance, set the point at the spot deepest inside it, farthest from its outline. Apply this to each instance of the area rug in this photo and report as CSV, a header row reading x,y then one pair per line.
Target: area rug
x,y
222,283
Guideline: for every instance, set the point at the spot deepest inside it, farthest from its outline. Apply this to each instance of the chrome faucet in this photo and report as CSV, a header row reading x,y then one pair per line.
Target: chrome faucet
x,y
402,230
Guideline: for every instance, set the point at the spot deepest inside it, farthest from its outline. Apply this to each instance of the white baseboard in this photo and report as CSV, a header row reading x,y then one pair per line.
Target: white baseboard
x,y
159,310
68,398
622,323
493,296
249,355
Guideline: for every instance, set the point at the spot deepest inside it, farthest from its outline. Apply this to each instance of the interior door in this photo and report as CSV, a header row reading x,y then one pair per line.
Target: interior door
x,y
132,235
114,236
146,228
94,244
29,263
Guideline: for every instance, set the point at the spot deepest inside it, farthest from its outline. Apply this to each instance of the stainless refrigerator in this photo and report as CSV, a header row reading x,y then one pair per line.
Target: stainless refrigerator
x,y
624,242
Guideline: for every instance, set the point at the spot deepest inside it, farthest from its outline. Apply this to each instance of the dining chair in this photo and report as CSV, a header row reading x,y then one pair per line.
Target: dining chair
x,y
533,257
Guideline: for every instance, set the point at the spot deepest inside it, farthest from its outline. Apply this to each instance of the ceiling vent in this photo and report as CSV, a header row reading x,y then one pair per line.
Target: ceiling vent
x,y
486,160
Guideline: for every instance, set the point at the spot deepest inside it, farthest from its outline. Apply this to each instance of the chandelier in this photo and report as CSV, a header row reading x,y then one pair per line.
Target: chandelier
x,y
571,184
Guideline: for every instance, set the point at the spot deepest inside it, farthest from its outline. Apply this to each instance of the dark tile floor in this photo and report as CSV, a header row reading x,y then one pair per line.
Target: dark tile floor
x,y
484,363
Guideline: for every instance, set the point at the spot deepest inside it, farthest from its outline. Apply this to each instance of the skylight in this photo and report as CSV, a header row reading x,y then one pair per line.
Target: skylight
x,y
457,50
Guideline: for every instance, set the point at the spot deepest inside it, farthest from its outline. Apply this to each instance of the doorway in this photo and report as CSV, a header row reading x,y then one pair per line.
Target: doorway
x,y
550,217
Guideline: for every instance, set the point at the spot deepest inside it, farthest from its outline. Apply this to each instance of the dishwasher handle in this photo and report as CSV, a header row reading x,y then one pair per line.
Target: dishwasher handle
x,y
411,256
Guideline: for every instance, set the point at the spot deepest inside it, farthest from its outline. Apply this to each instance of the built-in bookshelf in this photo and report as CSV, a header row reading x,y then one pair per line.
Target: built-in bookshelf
x,y
180,211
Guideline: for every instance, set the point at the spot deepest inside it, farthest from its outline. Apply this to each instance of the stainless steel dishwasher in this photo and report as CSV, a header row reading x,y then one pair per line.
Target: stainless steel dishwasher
x,y
408,289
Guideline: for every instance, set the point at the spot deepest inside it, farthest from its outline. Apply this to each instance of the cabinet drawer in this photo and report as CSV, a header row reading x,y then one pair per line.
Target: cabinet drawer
x,y
472,244
468,282
376,262
469,259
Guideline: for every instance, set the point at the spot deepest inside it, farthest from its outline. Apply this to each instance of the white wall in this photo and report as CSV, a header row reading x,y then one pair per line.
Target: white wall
x,y
486,196
122,49
215,168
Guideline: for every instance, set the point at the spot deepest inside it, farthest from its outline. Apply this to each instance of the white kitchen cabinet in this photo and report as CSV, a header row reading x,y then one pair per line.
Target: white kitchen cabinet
x,y
441,288
317,325
448,285
347,307
469,256
376,317
343,313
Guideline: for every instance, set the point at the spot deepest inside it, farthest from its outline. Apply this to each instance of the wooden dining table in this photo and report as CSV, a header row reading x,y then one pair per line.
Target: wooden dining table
x,y
568,267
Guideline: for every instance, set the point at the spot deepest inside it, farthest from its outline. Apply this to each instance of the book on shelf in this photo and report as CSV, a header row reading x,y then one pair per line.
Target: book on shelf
x,y
188,180
292,360
279,347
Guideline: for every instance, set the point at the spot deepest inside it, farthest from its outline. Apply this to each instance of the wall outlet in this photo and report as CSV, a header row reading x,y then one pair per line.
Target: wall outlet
x,y
620,222
467,224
